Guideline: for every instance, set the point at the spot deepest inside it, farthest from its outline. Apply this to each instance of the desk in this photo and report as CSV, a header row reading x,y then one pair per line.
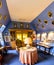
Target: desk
x,y
28,56
1,50
45,46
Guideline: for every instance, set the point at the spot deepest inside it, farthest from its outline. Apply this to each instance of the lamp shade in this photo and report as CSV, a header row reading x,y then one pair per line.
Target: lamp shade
x,y
28,40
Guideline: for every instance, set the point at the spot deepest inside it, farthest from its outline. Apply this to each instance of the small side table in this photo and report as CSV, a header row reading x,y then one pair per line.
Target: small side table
x,y
28,56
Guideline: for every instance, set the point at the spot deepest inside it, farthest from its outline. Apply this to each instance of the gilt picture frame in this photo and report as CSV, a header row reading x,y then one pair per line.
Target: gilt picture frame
x,y
0,3
0,16
5,17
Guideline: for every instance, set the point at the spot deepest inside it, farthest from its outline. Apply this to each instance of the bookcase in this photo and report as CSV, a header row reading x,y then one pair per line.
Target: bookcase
x,y
20,34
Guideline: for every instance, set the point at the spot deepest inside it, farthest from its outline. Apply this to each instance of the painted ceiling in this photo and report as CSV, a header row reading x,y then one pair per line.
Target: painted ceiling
x,y
26,10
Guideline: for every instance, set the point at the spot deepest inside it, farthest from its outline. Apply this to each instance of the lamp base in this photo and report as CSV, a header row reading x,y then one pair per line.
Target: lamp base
x,y
28,46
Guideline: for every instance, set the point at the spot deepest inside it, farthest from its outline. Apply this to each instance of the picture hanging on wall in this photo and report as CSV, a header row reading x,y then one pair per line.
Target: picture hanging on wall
x,y
53,22
0,3
0,16
7,38
15,25
39,20
49,14
28,25
0,24
5,17
21,25
45,21
43,26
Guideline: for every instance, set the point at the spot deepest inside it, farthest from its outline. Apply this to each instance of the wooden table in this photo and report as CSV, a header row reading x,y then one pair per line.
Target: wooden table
x,y
28,56
1,50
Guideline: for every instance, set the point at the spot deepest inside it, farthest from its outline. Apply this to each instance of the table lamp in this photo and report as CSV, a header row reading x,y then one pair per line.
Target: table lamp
x,y
28,42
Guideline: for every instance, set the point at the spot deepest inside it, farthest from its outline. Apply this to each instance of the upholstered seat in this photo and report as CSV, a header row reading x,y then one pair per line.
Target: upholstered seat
x,y
13,44
16,44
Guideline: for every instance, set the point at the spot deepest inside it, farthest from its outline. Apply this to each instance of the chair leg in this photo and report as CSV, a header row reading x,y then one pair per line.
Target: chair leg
x,y
1,58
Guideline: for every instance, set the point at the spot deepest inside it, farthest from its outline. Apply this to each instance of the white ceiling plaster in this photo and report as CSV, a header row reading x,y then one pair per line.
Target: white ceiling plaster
x,y
26,10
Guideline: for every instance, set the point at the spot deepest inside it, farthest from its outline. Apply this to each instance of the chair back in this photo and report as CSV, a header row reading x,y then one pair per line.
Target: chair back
x,y
13,44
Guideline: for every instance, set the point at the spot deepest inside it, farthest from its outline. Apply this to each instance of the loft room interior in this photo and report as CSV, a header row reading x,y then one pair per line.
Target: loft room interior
x,y
26,32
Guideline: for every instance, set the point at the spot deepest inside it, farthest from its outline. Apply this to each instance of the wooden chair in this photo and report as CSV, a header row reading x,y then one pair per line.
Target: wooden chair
x,y
13,44
1,59
16,44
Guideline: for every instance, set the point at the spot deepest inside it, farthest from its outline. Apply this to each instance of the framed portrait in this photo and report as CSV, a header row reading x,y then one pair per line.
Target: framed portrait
x,y
0,24
5,17
0,16
21,25
28,25
50,14
7,38
0,3
15,25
